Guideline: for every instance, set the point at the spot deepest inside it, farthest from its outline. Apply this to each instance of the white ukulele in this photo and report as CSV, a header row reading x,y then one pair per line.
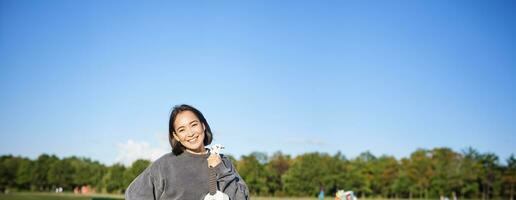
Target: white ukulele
x,y
215,194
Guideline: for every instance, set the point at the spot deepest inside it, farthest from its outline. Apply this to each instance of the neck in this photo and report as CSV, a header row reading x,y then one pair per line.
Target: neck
x,y
199,151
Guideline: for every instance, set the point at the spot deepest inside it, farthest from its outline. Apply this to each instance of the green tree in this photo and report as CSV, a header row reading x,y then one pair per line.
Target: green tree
x,y
469,171
136,169
113,180
97,172
364,164
40,180
76,172
336,173
354,179
446,179
402,183
489,175
60,174
277,166
83,171
509,177
385,170
24,174
309,172
254,174
9,166
419,171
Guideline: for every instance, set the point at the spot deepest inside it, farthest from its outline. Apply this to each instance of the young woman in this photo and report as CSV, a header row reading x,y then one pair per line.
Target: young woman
x,y
183,174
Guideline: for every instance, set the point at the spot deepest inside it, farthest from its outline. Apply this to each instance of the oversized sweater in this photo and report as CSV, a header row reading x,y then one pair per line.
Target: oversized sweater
x,y
185,177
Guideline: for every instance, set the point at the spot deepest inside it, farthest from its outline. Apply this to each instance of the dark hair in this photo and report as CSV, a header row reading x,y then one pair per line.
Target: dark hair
x,y
177,147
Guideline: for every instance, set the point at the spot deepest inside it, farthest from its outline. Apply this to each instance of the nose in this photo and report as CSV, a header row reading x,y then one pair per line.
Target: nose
x,y
191,132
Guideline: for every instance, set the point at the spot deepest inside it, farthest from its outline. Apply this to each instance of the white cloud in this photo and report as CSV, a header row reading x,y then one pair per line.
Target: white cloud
x,y
131,151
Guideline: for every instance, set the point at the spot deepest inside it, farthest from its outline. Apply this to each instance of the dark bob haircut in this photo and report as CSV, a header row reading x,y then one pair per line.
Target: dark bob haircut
x,y
177,147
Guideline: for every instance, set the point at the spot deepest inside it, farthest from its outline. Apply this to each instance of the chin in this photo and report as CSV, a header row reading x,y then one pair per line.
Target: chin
x,y
195,147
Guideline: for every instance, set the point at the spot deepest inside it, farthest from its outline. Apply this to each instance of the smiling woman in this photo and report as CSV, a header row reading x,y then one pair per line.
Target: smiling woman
x,y
188,129
184,173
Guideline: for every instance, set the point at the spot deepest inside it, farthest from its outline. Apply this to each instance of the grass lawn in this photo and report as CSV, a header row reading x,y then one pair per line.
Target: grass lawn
x,y
71,196
54,196
290,198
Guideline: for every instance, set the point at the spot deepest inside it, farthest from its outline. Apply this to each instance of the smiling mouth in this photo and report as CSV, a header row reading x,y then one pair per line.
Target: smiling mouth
x,y
193,139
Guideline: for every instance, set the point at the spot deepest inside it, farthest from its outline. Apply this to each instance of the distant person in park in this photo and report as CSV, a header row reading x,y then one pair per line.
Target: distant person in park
x,y
183,173
321,193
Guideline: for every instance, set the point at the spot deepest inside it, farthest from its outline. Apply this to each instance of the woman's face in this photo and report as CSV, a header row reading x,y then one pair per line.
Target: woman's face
x,y
189,131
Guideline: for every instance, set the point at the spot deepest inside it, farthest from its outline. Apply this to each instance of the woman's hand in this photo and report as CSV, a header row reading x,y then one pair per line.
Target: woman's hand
x,y
214,160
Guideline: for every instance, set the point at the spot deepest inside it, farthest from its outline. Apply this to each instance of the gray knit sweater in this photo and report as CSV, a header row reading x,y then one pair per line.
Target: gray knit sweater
x,y
185,177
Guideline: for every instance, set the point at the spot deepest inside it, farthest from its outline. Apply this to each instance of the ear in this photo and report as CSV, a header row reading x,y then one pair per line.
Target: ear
x,y
203,127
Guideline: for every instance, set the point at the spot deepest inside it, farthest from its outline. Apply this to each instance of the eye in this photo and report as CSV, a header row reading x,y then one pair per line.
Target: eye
x,y
195,124
180,130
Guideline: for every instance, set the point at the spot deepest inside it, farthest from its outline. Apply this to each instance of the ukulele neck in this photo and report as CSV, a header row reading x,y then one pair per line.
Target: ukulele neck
x,y
212,181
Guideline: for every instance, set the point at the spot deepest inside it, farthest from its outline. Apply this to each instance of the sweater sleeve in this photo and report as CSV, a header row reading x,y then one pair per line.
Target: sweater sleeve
x,y
230,182
144,187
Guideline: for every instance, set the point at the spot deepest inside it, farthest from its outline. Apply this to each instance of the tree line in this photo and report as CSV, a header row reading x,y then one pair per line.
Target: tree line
x,y
48,172
424,174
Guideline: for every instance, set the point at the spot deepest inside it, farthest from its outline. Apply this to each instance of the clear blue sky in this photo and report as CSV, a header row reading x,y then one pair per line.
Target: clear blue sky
x,y
98,78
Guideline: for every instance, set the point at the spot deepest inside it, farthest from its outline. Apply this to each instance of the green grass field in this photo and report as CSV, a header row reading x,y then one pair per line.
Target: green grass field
x,y
53,196
70,196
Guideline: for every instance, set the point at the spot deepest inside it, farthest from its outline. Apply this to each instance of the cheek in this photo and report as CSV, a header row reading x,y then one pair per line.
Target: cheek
x,y
179,138
199,130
